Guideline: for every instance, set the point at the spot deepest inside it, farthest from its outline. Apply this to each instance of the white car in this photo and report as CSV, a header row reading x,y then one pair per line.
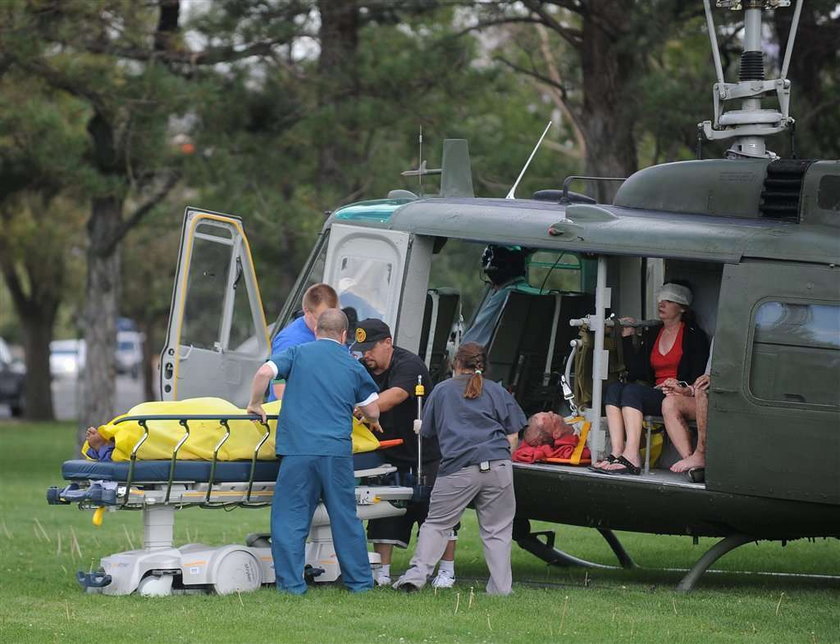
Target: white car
x,y
12,374
129,353
67,357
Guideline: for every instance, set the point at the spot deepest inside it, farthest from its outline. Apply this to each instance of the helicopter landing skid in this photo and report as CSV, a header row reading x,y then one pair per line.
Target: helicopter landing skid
x,y
727,544
544,548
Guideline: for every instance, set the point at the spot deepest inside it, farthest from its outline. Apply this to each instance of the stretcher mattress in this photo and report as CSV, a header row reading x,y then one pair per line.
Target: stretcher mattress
x,y
198,471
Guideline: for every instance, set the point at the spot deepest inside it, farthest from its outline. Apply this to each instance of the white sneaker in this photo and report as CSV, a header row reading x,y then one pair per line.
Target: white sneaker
x,y
444,579
383,580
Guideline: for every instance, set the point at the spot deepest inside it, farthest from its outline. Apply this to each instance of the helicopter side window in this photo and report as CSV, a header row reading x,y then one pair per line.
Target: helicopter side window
x,y
796,354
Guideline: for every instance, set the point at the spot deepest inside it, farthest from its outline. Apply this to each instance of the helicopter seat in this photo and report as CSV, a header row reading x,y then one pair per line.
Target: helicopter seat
x,y
443,309
518,343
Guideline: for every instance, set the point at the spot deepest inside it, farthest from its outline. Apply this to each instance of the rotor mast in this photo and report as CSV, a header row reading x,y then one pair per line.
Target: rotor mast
x,y
751,124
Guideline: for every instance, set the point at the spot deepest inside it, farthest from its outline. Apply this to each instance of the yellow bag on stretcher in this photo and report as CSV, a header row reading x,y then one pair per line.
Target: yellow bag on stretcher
x,y
204,434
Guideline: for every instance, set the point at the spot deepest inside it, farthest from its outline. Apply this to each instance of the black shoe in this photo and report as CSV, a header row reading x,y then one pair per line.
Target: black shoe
x,y
407,588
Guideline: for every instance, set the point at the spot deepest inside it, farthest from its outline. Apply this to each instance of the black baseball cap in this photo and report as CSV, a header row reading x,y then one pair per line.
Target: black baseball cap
x,y
368,333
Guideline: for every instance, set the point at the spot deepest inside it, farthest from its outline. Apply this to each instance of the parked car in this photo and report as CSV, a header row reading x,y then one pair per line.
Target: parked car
x,y
12,373
129,353
67,357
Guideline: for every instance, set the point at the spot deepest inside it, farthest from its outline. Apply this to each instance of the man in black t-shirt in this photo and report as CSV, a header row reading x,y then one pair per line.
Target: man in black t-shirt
x,y
395,371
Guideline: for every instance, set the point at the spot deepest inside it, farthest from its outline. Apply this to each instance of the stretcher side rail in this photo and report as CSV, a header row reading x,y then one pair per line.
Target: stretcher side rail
x,y
183,420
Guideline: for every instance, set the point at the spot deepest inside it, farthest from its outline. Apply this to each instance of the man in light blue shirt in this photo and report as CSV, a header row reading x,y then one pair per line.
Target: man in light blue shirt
x,y
323,386
317,299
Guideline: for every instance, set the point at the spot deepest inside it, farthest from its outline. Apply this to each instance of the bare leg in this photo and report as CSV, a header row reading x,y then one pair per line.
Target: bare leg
x,y
698,458
615,424
384,551
449,553
632,421
675,411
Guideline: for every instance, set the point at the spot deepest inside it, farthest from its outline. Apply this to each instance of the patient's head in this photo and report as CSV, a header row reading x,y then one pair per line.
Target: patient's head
x,y
544,428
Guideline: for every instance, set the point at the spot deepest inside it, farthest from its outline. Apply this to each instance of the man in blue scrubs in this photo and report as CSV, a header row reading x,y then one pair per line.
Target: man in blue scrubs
x,y
323,386
317,299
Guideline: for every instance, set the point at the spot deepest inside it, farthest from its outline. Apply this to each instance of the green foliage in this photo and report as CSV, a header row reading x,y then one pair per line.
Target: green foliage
x,y
43,546
242,86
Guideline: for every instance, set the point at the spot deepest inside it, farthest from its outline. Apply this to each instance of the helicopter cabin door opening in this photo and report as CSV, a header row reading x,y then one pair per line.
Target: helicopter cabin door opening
x,y
217,336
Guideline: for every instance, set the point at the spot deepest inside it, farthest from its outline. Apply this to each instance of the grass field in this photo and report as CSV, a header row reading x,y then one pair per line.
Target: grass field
x,y
42,546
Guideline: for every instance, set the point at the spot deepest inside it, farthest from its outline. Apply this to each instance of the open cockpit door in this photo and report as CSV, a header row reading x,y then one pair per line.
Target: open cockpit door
x,y
217,336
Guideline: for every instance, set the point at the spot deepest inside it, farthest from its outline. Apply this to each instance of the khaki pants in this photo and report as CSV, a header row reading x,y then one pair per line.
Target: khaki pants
x,y
495,506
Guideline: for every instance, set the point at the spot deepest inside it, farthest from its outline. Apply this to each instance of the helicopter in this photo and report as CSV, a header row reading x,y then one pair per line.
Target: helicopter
x,y
754,234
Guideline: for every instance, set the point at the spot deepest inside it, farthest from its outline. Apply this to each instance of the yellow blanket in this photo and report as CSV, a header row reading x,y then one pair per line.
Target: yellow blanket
x,y
204,434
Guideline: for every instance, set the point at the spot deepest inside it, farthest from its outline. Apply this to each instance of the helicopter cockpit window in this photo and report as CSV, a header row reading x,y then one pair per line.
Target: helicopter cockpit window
x,y
243,331
564,272
207,281
364,284
796,354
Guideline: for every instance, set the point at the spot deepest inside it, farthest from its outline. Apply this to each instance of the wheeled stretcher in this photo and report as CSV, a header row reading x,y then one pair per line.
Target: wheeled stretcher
x,y
160,487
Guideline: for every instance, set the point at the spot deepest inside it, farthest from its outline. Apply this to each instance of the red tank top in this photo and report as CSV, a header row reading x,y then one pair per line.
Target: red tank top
x,y
665,366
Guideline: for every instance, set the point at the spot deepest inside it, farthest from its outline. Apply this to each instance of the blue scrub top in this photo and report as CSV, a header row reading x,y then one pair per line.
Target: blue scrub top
x,y
294,334
323,385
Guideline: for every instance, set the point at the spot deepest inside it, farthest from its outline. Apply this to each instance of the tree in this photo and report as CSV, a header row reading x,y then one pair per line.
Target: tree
x,y
610,44
40,217
125,61
814,73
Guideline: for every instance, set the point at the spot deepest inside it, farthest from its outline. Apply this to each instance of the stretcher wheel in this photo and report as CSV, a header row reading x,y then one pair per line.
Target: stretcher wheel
x,y
258,540
155,586
236,570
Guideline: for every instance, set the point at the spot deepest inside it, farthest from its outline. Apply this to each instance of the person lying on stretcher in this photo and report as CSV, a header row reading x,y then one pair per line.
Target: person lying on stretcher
x,y
115,441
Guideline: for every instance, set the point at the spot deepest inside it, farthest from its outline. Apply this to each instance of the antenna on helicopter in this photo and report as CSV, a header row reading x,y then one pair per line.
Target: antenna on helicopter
x,y
420,157
421,170
527,163
751,124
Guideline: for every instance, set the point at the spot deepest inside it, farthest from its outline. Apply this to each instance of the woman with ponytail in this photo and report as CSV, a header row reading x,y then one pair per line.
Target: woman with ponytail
x,y
477,423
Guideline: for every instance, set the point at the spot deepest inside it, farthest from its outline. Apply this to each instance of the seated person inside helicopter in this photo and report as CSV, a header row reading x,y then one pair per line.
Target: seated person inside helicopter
x,y
684,403
505,269
679,351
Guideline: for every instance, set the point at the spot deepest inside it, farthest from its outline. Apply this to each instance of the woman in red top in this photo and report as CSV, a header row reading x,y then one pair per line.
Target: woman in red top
x,y
679,351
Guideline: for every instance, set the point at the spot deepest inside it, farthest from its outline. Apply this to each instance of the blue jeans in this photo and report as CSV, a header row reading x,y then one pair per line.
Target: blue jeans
x,y
301,482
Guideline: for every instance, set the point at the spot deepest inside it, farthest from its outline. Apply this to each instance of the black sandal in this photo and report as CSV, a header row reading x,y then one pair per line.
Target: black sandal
x,y
628,468
609,458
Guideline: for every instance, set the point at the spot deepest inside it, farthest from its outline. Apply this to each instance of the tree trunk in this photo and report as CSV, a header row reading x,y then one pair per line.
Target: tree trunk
x,y
37,330
608,62
100,312
338,78
36,293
